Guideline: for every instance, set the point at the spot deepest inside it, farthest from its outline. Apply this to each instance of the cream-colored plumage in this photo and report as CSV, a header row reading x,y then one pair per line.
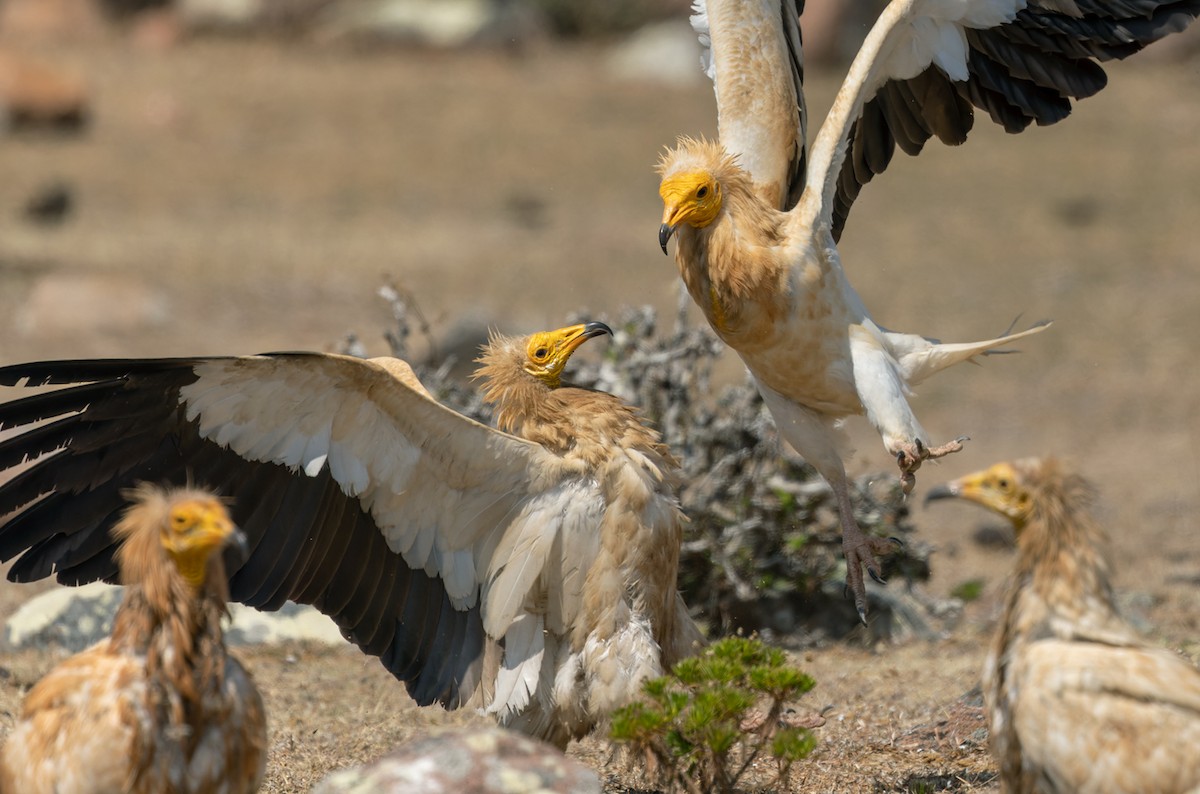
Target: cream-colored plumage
x,y
1076,700
528,575
159,707
757,223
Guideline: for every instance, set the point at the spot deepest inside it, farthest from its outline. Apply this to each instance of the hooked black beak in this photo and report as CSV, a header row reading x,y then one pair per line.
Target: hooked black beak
x,y
595,328
943,491
664,233
237,550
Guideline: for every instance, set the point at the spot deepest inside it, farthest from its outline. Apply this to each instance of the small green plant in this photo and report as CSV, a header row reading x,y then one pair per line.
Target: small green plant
x,y
701,728
969,590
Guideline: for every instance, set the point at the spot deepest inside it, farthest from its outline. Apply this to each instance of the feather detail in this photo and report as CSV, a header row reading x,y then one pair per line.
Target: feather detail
x,y
519,560
919,357
520,672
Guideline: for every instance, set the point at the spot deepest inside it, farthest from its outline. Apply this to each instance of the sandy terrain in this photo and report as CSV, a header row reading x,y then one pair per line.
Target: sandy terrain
x,y
234,197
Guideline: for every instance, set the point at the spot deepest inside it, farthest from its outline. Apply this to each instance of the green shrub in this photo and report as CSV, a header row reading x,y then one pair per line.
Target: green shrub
x,y
700,728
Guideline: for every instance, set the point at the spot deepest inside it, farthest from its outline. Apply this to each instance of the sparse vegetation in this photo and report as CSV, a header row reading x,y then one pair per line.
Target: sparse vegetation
x,y
969,590
702,727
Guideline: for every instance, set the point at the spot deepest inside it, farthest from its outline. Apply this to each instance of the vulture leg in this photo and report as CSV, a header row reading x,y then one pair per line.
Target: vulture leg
x,y
859,547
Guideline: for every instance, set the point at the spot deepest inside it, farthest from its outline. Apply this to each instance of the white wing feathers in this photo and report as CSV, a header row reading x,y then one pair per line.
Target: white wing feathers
x,y
699,20
759,111
517,678
908,37
448,493
919,357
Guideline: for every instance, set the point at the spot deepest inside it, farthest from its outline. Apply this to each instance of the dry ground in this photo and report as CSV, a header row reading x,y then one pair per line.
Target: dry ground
x,y
234,197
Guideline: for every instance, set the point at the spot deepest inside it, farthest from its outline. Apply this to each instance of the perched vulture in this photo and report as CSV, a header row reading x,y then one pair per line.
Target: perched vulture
x,y
159,707
1076,701
757,216
530,573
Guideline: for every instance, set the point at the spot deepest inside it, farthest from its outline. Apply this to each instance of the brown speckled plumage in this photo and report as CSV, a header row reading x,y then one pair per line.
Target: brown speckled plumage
x,y
1076,700
159,707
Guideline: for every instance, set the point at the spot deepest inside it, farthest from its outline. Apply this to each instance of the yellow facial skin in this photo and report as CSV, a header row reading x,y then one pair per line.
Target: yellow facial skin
x,y
547,352
693,197
999,488
195,530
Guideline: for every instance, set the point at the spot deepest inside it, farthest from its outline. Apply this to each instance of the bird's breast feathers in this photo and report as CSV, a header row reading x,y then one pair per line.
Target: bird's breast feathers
x,y
788,315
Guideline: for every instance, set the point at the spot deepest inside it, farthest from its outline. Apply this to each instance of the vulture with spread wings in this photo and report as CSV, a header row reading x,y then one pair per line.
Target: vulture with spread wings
x,y
757,216
529,571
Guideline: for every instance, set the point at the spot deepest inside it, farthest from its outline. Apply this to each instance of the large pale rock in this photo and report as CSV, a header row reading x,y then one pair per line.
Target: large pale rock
x,y
76,617
431,23
59,20
475,761
220,13
664,52
81,303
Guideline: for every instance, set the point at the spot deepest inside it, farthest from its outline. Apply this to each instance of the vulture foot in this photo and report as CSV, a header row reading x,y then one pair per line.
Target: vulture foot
x,y
910,457
860,550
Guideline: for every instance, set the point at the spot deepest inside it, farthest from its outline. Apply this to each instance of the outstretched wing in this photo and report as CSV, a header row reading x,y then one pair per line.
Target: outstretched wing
x,y
418,530
926,65
754,59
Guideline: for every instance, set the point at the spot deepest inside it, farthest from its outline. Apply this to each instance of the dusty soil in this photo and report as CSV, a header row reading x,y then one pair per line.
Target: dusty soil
x,y
240,196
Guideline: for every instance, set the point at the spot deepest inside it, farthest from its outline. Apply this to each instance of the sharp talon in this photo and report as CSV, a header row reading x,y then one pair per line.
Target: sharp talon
x,y
875,575
862,615
900,458
961,439
920,448
899,543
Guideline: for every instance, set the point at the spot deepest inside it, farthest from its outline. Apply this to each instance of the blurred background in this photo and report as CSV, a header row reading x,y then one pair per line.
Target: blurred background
x,y
234,176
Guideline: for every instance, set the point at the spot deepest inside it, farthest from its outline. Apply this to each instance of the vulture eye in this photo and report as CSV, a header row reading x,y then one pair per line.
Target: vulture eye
x,y
702,192
1003,483
541,353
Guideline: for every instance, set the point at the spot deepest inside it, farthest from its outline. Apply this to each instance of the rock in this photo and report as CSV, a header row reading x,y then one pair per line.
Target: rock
x,y
60,20
69,617
291,622
220,14
75,617
35,94
50,204
474,761
664,52
428,23
82,303
157,30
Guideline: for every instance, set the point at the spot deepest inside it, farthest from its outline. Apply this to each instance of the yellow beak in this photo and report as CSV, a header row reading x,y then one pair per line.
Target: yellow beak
x,y
576,335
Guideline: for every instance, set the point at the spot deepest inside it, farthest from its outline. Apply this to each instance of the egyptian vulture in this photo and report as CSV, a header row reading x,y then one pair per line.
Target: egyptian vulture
x,y
159,707
529,571
757,216
1076,701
